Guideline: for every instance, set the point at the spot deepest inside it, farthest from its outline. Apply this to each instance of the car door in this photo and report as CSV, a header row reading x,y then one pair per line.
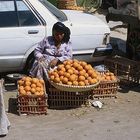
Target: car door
x,y
20,29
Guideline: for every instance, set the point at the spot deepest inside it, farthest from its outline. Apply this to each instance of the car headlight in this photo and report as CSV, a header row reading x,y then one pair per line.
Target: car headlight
x,y
106,39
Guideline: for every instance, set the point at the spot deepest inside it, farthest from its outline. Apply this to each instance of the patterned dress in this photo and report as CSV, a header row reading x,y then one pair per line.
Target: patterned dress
x,y
47,49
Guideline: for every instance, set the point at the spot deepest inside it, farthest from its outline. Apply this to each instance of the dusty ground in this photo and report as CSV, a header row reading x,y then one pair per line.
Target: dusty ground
x,y
118,119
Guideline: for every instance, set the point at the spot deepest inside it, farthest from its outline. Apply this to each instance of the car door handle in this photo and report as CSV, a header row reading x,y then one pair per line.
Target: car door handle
x,y
33,31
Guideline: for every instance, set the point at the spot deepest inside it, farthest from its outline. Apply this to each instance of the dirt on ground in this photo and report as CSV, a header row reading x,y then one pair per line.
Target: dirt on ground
x,y
119,118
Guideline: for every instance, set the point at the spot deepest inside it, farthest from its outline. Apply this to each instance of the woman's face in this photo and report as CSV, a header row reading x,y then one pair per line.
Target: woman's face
x,y
58,36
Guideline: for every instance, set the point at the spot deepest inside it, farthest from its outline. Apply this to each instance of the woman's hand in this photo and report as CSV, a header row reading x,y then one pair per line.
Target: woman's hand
x,y
53,63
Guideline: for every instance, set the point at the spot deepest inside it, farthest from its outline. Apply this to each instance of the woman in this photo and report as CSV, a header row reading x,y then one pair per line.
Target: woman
x,y
53,49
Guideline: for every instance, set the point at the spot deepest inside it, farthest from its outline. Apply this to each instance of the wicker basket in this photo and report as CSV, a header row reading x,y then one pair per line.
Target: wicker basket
x,y
64,4
71,88
31,104
106,89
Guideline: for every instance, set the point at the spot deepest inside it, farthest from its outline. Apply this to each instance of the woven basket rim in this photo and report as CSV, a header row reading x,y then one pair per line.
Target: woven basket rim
x,y
70,88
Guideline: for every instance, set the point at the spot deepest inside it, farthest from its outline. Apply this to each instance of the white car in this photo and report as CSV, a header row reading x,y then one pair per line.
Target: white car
x,y
24,23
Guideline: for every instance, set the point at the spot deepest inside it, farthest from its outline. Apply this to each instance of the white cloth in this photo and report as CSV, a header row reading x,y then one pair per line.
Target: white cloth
x,y
4,122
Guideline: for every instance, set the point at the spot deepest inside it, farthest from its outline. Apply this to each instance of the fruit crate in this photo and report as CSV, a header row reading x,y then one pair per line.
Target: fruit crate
x,y
31,104
106,89
127,70
58,99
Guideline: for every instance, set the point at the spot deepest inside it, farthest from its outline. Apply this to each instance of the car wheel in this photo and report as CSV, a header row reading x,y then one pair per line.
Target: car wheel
x,y
29,64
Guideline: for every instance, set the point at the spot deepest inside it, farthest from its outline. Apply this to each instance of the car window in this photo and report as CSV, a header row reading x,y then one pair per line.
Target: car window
x,y
8,14
25,15
55,11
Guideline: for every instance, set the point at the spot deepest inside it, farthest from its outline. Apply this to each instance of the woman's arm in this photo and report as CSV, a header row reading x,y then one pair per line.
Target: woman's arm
x,y
38,52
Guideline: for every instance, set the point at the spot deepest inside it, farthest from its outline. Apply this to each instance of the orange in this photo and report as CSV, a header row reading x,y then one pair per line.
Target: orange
x,y
73,68
94,81
60,66
90,67
37,93
41,89
81,83
81,78
57,80
20,82
63,69
82,73
55,70
55,74
91,81
107,73
69,83
83,63
113,78
61,78
75,64
27,83
70,71
67,74
70,61
94,75
41,93
33,85
65,62
38,84
28,93
52,77
108,78
27,88
65,80
88,78
22,92
24,78
33,90
111,74
86,67
41,81
76,72
72,78
75,60
75,83
38,89
90,72
28,78
79,68
61,73
21,87
67,67
86,75
34,80
86,82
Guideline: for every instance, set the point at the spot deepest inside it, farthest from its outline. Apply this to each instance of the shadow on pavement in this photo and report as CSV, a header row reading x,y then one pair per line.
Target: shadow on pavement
x,y
12,106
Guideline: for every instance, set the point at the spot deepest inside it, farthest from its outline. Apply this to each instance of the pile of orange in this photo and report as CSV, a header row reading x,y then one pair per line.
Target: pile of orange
x,y
74,72
108,76
31,86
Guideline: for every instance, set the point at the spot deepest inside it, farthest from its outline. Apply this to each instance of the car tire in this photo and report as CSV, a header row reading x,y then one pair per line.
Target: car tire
x,y
29,64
